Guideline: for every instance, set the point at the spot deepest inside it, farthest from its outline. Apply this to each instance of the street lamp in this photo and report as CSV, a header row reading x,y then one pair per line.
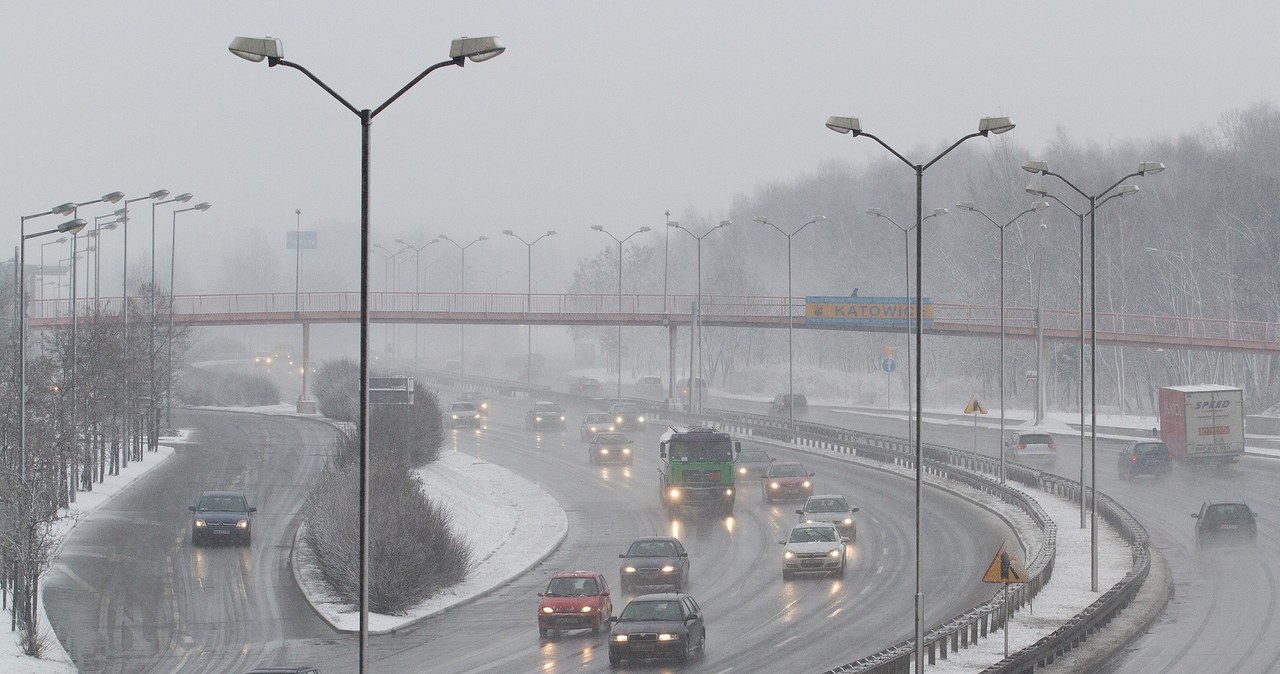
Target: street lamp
x,y
256,49
462,289
417,287
155,417
602,230
791,318
61,239
391,279
173,252
969,206
528,299
124,312
671,356
695,385
1144,168
906,268
853,127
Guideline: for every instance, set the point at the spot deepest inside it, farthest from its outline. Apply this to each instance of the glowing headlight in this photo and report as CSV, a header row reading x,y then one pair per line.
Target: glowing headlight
x,y
774,485
626,450
455,416
788,555
537,418
619,637
199,523
604,450
548,609
742,470
586,609
619,420
668,637
628,569
834,553
809,521
848,521
484,406
561,417
668,569
728,492
242,524
593,429
640,420
674,494
806,484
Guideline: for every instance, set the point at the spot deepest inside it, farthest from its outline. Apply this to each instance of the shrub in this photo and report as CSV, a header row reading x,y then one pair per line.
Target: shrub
x,y
206,387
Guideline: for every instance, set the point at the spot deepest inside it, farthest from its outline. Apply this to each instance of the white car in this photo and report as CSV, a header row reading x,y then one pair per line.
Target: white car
x,y
464,414
817,547
831,508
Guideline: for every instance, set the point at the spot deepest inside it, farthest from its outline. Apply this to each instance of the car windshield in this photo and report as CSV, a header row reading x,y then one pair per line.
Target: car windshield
x,y
222,504
652,549
1223,512
813,535
464,407
597,418
1151,449
611,439
753,456
826,505
664,610
710,451
1036,439
572,587
787,470
623,409
546,408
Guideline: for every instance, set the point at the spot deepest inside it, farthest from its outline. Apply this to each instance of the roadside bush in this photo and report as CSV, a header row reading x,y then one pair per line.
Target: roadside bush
x,y
206,387
410,434
413,553
337,390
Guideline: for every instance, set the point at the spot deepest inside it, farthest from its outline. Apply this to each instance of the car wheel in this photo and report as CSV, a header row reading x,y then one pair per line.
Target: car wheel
x,y
195,540
683,656
786,574
247,538
842,567
595,627
614,659
544,632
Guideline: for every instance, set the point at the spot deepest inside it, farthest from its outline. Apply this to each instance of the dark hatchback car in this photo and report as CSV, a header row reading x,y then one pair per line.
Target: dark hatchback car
x,y
544,414
610,448
1144,457
785,403
1220,522
654,561
221,516
669,625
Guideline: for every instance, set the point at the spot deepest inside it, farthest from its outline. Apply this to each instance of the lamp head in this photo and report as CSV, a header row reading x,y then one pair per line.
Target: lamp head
x,y
1039,205
874,211
182,198
202,206
673,223
966,206
482,238
111,225
849,125
119,212
444,237
1037,189
940,211
61,239
551,232
402,241
256,48
818,218
72,226
158,194
64,209
1147,168
505,231
1125,190
996,125
760,219
725,223
476,48
646,228
597,228
1035,166
113,197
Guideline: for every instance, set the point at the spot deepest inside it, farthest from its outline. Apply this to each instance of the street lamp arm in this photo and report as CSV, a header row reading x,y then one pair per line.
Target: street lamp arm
x,y
895,152
456,61
273,62
945,152
1116,184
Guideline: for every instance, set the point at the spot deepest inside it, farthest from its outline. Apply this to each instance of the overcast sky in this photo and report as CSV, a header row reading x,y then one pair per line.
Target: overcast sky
x,y
598,113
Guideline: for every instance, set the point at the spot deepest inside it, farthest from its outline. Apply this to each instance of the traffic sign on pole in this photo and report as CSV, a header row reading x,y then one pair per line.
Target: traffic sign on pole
x,y
888,364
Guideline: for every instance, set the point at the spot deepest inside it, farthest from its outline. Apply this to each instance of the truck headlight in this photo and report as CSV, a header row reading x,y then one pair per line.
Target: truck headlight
x,y
618,420
773,485
674,494
640,420
586,609
728,492
626,450
604,450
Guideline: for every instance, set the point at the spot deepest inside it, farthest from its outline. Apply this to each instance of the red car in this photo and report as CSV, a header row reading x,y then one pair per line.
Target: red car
x,y
785,480
574,600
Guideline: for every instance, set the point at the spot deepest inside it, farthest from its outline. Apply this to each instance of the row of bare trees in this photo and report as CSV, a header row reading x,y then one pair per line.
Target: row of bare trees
x,y
93,404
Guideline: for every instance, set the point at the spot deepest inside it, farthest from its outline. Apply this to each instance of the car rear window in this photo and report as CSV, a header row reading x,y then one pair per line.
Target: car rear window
x,y
1221,512
1151,449
1036,439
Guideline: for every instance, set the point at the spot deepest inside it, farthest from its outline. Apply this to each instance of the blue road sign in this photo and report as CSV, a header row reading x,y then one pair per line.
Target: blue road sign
x,y
888,365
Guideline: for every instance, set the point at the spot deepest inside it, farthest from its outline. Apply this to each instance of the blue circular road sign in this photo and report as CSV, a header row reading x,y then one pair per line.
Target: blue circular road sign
x,y
888,365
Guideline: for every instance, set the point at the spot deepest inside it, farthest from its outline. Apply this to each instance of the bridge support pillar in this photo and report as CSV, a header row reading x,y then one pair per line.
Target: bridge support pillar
x,y
671,362
306,404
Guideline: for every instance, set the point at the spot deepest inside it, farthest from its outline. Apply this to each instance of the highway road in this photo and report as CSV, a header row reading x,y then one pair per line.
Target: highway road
x,y
134,596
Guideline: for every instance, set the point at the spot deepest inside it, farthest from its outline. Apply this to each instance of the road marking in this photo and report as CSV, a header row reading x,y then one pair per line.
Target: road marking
x,y
865,590
788,640
880,568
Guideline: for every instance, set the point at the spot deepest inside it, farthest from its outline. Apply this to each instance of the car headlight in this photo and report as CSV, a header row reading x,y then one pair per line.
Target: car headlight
x,y
484,406
242,524
668,569
774,485
728,492
674,494
806,484
619,637
561,417
593,429
640,420
742,470
604,450
537,418
626,450
666,636
586,609
834,553
628,569
199,523
548,609
809,520
848,521
618,420
788,555
455,416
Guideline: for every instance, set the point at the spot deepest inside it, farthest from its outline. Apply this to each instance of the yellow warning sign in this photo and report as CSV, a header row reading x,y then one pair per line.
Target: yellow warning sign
x,y
890,351
1005,568
975,406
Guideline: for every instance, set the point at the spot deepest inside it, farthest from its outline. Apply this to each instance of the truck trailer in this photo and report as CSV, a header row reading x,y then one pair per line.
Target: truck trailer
x,y
1203,423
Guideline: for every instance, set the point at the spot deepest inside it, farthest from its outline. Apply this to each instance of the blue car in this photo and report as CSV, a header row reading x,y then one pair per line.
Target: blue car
x,y
1144,457
221,516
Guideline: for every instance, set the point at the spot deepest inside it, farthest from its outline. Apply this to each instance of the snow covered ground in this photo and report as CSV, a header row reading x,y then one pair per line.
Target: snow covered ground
x,y
512,524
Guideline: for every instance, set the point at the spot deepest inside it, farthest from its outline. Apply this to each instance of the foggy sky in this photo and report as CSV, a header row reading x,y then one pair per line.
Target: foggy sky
x,y
598,113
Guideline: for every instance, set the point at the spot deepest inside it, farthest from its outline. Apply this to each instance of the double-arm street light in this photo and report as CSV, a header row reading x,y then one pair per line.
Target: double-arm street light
x,y
906,268
695,324
391,281
969,206
852,126
61,239
602,230
417,287
173,251
256,49
1095,200
124,312
791,317
462,289
153,386
528,298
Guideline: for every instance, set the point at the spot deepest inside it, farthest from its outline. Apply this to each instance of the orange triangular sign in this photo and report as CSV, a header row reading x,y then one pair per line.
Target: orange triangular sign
x,y
975,406
1005,568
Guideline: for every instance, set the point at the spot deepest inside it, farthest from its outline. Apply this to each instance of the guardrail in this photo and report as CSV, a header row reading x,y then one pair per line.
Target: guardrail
x,y
977,471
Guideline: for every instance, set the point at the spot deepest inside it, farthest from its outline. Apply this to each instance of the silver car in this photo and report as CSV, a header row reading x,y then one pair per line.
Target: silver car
x,y
831,508
813,548
1031,448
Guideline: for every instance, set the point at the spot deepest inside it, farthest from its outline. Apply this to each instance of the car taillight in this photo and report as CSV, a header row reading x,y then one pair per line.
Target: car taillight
x,y
1022,445
1052,446
1134,458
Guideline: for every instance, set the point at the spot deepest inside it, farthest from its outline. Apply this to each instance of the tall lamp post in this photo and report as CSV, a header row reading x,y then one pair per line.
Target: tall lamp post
x,y
969,206
257,49
124,312
906,268
1144,168
695,384
417,286
602,230
852,126
61,239
791,317
391,276
153,387
173,252
528,298
462,289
